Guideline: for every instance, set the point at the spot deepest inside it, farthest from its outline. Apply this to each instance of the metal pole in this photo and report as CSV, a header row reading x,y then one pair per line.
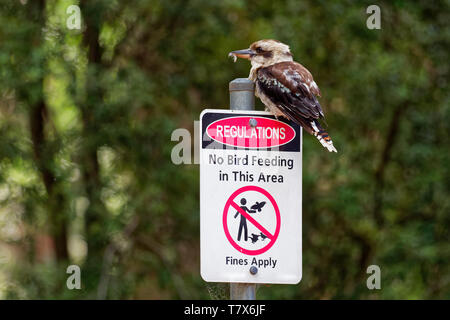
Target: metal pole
x,y
242,97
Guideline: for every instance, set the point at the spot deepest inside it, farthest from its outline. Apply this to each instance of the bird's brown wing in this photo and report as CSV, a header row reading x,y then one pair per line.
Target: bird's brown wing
x,y
291,88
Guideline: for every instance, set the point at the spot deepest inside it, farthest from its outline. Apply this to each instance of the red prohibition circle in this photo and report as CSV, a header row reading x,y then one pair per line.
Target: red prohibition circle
x,y
225,224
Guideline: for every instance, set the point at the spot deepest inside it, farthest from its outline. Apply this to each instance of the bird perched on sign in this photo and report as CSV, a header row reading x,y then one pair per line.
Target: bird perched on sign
x,y
285,87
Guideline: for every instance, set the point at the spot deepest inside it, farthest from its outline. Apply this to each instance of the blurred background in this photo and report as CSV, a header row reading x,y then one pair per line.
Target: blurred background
x,y
86,117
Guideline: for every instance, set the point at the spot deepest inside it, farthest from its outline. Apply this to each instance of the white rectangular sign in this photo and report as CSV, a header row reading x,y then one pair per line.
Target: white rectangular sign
x,y
250,197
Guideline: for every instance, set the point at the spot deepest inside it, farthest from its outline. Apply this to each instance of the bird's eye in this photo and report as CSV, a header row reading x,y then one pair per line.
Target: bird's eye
x,y
259,50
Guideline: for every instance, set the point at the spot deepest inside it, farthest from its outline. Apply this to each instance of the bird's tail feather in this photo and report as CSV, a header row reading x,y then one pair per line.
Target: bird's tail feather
x,y
323,136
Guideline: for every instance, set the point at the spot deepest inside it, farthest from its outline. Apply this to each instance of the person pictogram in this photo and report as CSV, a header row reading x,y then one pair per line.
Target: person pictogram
x,y
243,222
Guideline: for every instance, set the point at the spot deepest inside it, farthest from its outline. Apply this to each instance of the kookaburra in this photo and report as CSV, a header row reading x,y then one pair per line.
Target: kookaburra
x,y
285,87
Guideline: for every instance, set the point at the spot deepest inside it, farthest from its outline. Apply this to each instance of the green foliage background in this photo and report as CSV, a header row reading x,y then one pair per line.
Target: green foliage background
x,y
86,118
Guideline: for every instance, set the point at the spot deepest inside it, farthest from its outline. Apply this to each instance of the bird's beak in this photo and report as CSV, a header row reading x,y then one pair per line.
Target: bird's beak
x,y
244,54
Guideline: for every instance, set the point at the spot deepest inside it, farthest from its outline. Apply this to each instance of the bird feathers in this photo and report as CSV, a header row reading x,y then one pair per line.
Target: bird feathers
x,y
290,88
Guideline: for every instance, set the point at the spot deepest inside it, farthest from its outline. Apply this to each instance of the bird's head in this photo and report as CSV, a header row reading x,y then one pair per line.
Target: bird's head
x,y
264,53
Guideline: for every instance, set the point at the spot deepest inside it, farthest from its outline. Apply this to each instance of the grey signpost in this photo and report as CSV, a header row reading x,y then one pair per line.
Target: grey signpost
x,y
242,97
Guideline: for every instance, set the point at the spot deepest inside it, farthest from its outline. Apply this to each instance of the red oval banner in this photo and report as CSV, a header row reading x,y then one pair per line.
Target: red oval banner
x,y
237,132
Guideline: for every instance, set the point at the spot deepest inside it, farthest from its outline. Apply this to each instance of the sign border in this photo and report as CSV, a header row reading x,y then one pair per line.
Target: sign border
x,y
210,268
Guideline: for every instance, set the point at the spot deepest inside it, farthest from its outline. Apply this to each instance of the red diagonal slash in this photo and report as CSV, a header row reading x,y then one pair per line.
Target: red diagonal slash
x,y
253,221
